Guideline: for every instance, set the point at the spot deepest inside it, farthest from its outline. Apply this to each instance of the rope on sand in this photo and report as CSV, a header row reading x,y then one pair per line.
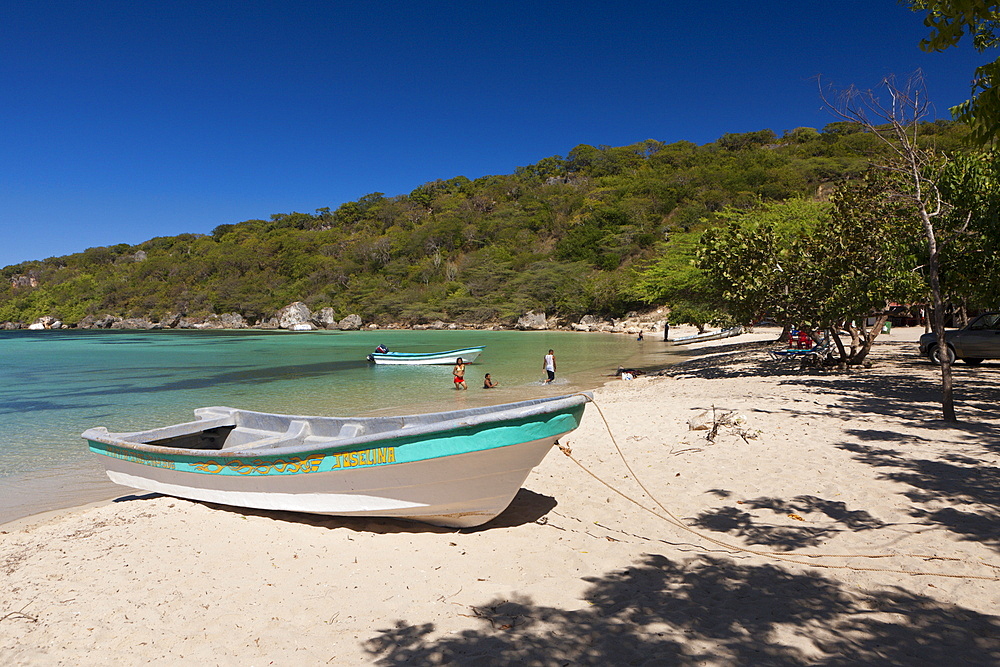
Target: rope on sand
x,y
673,519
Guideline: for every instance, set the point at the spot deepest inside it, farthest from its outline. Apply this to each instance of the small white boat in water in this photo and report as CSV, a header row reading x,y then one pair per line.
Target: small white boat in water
x,y
468,355
459,468
708,335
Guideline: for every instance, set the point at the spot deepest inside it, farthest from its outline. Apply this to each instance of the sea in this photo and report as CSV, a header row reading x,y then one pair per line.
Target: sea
x,y
56,384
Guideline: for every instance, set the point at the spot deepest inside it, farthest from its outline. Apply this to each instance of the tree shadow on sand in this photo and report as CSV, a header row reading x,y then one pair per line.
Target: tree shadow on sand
x,y
754,530
970,489
954,489
909,388
707,611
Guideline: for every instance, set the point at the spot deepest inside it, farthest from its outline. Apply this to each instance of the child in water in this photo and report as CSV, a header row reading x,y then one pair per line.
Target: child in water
x,y
488,382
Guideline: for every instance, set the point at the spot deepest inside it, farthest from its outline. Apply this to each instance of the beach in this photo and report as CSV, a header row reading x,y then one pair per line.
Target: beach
x,y
831,518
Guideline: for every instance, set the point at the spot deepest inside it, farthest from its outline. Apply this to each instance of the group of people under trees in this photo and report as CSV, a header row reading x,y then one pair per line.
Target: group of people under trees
x,y
458,373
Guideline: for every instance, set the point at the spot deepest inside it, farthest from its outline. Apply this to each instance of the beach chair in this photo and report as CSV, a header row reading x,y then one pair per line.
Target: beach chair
x,y
814,355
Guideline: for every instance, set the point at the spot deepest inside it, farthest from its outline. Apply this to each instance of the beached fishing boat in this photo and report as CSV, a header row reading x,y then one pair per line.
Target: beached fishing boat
x,y
708,335
468,355
458,468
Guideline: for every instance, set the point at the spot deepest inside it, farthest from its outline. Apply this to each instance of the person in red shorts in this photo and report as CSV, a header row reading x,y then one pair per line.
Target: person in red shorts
x,y
459,373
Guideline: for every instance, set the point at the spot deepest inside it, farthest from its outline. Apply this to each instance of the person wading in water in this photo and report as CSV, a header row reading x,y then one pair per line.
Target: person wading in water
x,y
459,373
549,365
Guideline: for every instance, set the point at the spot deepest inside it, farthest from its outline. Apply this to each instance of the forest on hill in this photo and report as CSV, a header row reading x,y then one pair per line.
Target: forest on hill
x,y
587,233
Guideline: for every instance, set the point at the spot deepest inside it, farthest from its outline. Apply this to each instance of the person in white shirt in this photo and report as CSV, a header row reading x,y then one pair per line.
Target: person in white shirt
x,y
549,365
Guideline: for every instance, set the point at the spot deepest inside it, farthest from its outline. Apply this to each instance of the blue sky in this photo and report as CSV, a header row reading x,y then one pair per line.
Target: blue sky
x,y
123,121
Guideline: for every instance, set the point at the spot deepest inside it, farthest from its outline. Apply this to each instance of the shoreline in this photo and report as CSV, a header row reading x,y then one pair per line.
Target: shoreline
x,y
77,477
100,490
856,466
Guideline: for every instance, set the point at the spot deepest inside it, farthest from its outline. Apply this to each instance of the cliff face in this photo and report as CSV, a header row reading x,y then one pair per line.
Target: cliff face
x,y
28,280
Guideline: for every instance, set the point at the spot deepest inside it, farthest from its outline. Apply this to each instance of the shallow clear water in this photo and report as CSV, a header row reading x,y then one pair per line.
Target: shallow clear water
x,y
56,384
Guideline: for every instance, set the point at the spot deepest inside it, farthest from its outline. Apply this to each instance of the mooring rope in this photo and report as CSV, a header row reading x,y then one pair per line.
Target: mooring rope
x,y
673,519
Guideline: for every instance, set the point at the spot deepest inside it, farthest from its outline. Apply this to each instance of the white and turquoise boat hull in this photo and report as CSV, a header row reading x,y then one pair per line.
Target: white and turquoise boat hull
x,y
467,354
711,335
456,469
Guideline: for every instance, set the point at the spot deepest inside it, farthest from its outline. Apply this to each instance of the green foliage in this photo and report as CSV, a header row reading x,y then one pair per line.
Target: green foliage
x,y
949,21
735,142
603,231
756,263
813,264
969,231
674,280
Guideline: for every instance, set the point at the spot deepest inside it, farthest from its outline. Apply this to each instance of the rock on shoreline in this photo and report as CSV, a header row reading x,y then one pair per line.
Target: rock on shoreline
x,y
298,317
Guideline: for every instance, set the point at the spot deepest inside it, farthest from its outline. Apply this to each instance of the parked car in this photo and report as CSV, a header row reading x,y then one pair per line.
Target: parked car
x,y
978,340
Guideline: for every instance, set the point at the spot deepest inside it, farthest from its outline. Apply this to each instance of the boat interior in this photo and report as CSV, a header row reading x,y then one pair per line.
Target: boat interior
x,y
233,430
241,437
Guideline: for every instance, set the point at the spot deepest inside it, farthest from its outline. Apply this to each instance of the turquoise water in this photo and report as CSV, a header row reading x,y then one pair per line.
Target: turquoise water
x,y
56,384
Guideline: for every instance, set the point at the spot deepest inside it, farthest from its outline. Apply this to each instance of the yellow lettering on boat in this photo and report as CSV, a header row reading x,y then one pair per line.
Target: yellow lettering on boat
x,y
363,458
139,457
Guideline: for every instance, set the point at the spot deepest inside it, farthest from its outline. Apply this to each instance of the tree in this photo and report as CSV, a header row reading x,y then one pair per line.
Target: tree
x,y
674,280
949,21
809,265
912,180
602,213
970,258
754,263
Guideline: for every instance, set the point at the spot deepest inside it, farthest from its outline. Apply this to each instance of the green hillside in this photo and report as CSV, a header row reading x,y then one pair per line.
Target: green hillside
x,y
566,235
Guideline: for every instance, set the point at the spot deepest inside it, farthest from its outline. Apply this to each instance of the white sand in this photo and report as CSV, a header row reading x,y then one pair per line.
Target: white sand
x,y
573,573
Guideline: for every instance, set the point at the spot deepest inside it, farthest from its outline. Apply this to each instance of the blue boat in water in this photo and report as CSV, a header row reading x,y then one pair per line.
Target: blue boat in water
x,y
467,354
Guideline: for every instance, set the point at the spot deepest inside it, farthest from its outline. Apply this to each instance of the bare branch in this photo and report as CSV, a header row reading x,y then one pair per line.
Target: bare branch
x,y
896,126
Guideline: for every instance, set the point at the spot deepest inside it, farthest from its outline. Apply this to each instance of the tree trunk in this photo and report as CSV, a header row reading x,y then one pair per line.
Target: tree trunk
x,y
947,396
868,339
840,344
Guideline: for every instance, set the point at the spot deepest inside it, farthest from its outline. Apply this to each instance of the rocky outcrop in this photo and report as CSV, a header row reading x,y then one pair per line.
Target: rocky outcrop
x,y
298,317
532,321
211,322
233,321
170,320
436,325
134,323
29,279
350,323
591,323
223,321
634,323
293,314
94,322
325,318
46,322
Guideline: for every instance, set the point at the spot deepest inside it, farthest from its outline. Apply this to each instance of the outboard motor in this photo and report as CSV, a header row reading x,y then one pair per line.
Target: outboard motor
x,y
381,349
